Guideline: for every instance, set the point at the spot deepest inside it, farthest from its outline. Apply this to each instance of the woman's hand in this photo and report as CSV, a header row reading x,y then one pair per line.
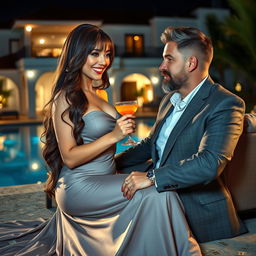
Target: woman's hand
x,y
124,126
134,182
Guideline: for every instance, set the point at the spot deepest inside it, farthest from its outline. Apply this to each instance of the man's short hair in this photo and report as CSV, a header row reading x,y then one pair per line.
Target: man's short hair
x,y
188,37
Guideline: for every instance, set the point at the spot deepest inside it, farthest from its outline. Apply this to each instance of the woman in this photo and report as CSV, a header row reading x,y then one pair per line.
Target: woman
x,y
81,130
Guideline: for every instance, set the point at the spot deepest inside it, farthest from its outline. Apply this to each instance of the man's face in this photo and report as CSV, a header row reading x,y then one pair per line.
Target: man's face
x,y
173,67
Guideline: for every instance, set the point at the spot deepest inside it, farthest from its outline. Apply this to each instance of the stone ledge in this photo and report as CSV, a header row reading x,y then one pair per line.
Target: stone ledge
x,y
20,189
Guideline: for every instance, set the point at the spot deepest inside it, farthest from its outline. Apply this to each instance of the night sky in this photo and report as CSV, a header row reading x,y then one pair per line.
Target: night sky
x,y
135,11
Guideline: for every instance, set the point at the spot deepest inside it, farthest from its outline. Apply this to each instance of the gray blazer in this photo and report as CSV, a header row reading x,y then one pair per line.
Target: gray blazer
x,y
197,150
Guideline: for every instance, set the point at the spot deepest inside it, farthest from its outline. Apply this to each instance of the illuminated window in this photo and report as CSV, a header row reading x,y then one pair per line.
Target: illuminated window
x,y
47,44
134,45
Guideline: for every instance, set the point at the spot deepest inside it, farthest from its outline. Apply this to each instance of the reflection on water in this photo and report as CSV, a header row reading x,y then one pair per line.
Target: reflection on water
x,y
21,161
20,155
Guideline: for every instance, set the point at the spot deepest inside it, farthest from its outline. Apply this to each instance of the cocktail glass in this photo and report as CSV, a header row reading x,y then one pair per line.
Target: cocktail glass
x,y
124,108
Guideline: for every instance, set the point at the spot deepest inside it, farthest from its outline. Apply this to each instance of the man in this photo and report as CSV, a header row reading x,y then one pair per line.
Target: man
x,y
196,131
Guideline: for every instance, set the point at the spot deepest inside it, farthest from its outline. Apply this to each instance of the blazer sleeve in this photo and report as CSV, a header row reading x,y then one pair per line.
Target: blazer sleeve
x,y
139,157
135,158
223,127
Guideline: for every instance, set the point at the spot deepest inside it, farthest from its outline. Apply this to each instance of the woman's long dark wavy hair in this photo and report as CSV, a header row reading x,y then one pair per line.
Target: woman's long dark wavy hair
x,y
79,44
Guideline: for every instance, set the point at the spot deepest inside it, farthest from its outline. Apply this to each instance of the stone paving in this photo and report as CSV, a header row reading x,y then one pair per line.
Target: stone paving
x,y
21,120
24,202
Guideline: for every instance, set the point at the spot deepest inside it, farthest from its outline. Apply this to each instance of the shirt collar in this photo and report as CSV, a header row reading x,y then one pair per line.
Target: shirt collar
x,y
180,104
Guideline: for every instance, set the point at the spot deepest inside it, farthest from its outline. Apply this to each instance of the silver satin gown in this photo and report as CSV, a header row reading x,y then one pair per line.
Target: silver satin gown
x,y
93,218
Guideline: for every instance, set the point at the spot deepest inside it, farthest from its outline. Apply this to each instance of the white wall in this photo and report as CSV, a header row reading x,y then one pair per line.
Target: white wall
x,y
5,36
202,13
159,24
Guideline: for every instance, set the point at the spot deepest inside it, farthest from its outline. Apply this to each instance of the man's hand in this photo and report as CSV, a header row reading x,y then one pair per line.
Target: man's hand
x,y
134,182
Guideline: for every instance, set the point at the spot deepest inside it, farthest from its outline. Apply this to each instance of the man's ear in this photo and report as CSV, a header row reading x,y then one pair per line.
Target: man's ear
x,y
192,63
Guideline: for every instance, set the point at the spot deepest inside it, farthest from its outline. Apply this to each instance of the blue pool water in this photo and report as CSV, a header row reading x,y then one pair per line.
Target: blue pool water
x,y
21,161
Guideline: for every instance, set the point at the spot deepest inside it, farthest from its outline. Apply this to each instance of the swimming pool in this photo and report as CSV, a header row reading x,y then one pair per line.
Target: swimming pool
x,y
21,161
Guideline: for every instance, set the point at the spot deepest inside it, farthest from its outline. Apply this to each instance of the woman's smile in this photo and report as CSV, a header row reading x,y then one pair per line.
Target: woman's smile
x,y
98,70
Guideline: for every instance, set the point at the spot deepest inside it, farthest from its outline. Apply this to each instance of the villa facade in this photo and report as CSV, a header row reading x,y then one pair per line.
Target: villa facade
x,y
29,53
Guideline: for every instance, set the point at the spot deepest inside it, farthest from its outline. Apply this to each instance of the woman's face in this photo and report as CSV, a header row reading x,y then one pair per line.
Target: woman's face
x,y
97,62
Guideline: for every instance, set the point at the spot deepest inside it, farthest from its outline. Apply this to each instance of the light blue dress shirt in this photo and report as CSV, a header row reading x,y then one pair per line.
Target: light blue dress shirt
x,y
170,122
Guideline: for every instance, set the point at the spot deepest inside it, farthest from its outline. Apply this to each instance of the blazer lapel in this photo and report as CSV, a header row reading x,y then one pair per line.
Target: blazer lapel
x,y
192,109
159,123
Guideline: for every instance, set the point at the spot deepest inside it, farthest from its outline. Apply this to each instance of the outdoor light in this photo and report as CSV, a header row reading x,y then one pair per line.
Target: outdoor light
x,y
30,73
154,79
136,38
42,41
28,28
34,166
238,87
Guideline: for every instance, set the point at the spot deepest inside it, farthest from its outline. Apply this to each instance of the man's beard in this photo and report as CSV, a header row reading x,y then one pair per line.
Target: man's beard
x,y
170,85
